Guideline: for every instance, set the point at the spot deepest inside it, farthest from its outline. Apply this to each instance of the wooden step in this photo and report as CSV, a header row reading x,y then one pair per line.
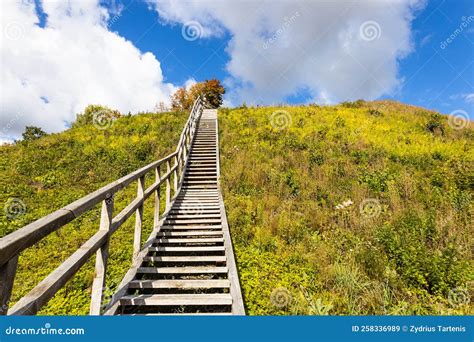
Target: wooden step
x,y
178,299
187,258
184,270
193,240
192,227
190,249
194,211
179,204
192,233
197,214
194,221
180,284
198,201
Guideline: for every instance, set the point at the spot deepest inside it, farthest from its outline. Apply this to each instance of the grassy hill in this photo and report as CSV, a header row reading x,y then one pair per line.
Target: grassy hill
x,y
55,170
361,208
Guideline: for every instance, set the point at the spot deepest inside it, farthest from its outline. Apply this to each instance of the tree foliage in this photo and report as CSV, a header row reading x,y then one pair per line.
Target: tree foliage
x,y
33,133
211,90
95,113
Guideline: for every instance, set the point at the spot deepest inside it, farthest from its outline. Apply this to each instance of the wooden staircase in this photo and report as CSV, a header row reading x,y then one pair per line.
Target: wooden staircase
x,y
186,266
189,268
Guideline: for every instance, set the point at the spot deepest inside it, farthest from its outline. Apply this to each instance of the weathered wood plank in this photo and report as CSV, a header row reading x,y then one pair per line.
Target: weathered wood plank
x,y
184,270
45,290
193,240
189,249
179,299
156,209
180,284
192,233
101,258
7,278
187,258
137,240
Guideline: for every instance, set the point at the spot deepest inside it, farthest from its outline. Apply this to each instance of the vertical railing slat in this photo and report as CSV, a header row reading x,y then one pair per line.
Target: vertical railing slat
x,y
175,175
137,240
156,216
168,185
7,277
101,258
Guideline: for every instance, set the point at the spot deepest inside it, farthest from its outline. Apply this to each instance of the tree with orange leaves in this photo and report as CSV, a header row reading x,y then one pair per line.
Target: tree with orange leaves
x,y
211,90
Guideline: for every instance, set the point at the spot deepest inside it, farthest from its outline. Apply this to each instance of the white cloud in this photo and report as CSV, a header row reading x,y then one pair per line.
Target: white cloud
x,y
469,98
280,47
49,74
466,97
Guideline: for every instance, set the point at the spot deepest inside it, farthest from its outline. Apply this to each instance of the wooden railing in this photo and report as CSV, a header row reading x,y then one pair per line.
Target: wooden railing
x,y
13,244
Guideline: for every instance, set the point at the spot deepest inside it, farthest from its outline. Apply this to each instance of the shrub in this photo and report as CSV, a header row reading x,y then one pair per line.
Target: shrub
x,y
32,133
435,124
374,112
356,104
95,114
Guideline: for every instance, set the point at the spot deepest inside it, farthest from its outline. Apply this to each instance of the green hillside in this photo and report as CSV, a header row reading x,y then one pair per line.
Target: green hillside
x,y
350,209
53,171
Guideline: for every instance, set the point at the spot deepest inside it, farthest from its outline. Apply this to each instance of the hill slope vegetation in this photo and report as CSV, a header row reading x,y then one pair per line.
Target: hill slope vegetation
x,y
360,208
40,176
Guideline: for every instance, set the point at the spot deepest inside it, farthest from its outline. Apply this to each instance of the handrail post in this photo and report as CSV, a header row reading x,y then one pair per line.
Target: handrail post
x,y
7,277
168,185
101,258
175,175
137,241
156,217
183,157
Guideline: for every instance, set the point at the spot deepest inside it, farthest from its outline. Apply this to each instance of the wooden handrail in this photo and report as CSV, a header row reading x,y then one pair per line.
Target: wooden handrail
x,y
13,244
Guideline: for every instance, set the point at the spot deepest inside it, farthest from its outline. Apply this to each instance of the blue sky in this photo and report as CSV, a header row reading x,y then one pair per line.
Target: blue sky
x,y
60,56
433,77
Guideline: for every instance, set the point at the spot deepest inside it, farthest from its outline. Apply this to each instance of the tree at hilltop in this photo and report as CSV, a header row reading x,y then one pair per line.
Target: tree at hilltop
x,y
32,133
212,91
94,114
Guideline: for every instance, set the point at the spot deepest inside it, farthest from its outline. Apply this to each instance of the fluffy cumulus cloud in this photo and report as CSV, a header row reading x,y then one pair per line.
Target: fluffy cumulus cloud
x,y
331,50
51,72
